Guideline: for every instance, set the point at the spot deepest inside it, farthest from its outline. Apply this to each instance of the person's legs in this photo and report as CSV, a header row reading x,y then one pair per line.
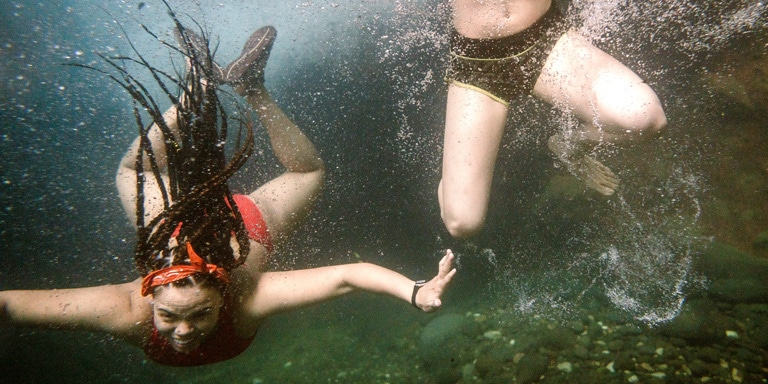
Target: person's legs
x,y
613,104
127,172
286,200
474,125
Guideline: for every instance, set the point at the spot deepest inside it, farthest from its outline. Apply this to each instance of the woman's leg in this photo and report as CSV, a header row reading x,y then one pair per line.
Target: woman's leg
x,y
474,125
612,103
127,172
286,200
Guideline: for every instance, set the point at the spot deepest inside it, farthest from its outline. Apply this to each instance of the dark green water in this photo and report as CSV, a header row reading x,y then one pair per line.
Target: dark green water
x,y
662,281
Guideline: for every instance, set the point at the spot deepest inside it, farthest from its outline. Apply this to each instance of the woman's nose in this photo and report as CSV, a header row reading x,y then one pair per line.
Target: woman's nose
x,y
184,328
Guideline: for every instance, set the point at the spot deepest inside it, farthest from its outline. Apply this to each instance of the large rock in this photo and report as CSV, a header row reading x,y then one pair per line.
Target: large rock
x,y
734,276
442,347
699,322
741,80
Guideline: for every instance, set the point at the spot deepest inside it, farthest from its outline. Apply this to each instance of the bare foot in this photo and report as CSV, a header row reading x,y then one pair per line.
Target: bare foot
x,y
586,168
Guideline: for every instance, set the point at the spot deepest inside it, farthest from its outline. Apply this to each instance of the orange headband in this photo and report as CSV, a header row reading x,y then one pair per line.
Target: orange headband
x,y
177,272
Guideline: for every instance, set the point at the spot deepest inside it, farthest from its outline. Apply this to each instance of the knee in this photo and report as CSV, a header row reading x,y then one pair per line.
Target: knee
x,y
652,120
464,227
641,118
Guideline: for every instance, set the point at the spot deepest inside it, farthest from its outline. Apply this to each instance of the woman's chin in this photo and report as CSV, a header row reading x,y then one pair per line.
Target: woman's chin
x,y
184,347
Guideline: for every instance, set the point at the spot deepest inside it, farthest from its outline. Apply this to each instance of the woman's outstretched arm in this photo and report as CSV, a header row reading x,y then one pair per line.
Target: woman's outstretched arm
x,y
284,291
115,309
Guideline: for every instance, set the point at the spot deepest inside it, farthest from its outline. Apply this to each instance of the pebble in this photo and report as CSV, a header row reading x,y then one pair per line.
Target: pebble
x,y
732,334
633,379
736,375
565,367
659,375
492,335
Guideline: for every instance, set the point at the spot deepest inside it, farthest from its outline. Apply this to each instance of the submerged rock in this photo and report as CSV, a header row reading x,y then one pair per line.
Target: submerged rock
x,y
530,367
442,347
734,276
442,329
699,322
742,80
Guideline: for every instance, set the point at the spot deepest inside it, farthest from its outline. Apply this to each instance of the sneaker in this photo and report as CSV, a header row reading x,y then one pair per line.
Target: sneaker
x,y
198,49
248,69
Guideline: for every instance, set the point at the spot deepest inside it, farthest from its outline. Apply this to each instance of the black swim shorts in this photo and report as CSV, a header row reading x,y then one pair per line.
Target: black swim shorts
x,y
507,67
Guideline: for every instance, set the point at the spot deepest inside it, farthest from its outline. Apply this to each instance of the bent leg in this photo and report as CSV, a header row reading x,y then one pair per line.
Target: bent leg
x,y
612,103
127,173
286,200
474,125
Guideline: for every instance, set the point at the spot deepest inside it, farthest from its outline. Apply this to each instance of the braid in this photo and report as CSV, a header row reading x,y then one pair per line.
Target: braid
x,y
196,198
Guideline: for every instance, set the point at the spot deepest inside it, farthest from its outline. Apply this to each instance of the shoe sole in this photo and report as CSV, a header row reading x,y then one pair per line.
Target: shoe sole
x,y
198,44
261,40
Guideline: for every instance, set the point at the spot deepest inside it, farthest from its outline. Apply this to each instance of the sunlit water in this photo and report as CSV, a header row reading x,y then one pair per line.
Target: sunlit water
x,y
365,80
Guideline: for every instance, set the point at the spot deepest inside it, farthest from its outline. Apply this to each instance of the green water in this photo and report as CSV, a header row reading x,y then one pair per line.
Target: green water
x,y
663,281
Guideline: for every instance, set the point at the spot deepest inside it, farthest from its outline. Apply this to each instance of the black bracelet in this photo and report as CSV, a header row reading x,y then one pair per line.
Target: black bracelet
x,y
416,286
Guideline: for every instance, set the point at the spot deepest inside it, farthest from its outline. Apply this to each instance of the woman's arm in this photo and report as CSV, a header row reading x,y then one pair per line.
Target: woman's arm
x,y
284,291
116,309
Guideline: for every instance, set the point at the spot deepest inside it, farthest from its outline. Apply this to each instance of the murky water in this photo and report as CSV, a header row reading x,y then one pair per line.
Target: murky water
x,y
661,279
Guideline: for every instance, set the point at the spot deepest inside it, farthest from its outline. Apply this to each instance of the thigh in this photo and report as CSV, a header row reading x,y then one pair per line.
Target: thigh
x,y
595,86
153,196
473,129
287,200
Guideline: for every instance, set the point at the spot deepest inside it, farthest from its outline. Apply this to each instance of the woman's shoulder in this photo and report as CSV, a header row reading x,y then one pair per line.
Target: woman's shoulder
x,y
243,302
136,325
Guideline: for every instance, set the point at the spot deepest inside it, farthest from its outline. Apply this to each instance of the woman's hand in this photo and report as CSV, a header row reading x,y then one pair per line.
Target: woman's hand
x,y
428,297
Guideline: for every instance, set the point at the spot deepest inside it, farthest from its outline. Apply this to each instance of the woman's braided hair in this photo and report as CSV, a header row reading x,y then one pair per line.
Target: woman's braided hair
x,y
196,198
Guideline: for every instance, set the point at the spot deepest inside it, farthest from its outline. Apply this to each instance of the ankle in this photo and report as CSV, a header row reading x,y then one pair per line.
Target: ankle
x,y
251,91
568,148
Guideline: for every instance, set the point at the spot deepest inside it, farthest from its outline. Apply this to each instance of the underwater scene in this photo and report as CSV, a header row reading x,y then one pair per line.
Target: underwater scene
x,y
666,280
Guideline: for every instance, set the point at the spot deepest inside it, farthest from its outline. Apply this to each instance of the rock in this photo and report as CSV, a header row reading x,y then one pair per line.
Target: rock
x,y
698,368
492,335
558,339
761,241
615,345
759,336
487,366
531,367
739,290
565,366
441,329
623,362
442,345
580,352
744,84
502,352
735,276
699,322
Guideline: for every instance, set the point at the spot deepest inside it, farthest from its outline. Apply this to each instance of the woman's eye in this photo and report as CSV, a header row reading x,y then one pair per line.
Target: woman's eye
x,y
201,315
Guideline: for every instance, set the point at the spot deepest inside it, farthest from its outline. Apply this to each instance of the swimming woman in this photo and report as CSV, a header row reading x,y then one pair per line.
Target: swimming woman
x,y
202,250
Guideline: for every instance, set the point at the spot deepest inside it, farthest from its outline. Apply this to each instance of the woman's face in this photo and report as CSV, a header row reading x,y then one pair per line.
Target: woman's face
x,y
186,315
